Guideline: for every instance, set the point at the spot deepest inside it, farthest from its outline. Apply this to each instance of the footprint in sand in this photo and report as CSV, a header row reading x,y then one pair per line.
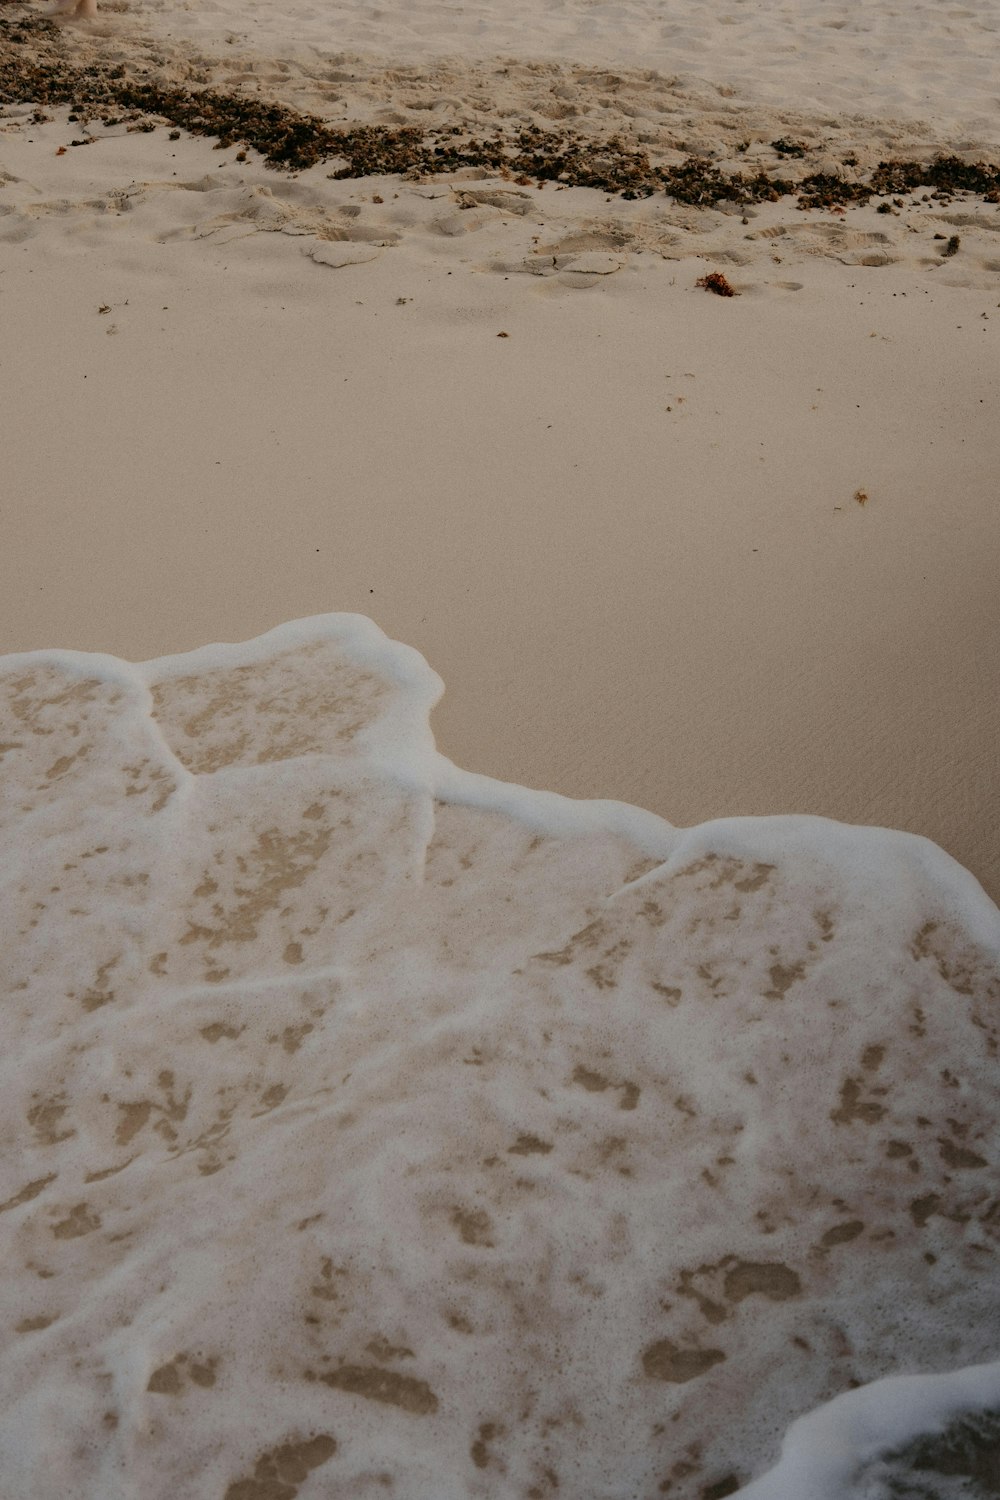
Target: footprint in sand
x,y
340,253
588,269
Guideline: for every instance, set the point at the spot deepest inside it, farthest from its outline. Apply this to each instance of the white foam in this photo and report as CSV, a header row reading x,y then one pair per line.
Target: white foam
x,y
376,1128
825,1453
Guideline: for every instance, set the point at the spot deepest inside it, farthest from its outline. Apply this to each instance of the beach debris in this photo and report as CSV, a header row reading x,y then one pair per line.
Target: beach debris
x,y
717,283
502,335
37,67
951,247
861,496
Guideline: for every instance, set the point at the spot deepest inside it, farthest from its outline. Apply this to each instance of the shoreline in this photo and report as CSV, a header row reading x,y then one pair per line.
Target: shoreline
x,y
651,481
666,444
386,1128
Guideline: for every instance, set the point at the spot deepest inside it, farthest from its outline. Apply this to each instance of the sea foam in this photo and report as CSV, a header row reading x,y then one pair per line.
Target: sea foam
x,y
374,1128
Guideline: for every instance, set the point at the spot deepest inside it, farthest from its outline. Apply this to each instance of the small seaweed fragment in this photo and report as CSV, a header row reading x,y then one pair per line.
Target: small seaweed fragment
x,y
785,147
861,496
717,283
952,246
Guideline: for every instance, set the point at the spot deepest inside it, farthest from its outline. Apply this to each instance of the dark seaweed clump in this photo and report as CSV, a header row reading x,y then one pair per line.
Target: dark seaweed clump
x,y
967,1451
717,283
33,70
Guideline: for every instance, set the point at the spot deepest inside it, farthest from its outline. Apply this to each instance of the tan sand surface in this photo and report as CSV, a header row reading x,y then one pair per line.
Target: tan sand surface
x,y
922,63
629,535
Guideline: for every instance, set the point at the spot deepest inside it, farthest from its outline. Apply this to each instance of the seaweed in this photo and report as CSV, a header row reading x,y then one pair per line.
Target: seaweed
x,y
717,283
34,69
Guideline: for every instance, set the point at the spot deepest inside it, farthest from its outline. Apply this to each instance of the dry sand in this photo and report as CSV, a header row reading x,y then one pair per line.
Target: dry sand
x,y
629,534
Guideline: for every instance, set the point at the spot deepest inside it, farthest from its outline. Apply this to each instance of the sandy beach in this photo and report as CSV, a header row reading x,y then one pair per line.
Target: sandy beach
x,y
719,557
626,535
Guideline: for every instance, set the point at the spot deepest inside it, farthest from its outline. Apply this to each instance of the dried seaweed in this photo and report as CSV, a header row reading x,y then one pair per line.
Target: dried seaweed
x,y
717,283
34,69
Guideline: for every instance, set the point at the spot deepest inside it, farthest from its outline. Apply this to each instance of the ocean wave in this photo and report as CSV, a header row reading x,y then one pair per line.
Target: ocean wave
x,y
374,1121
